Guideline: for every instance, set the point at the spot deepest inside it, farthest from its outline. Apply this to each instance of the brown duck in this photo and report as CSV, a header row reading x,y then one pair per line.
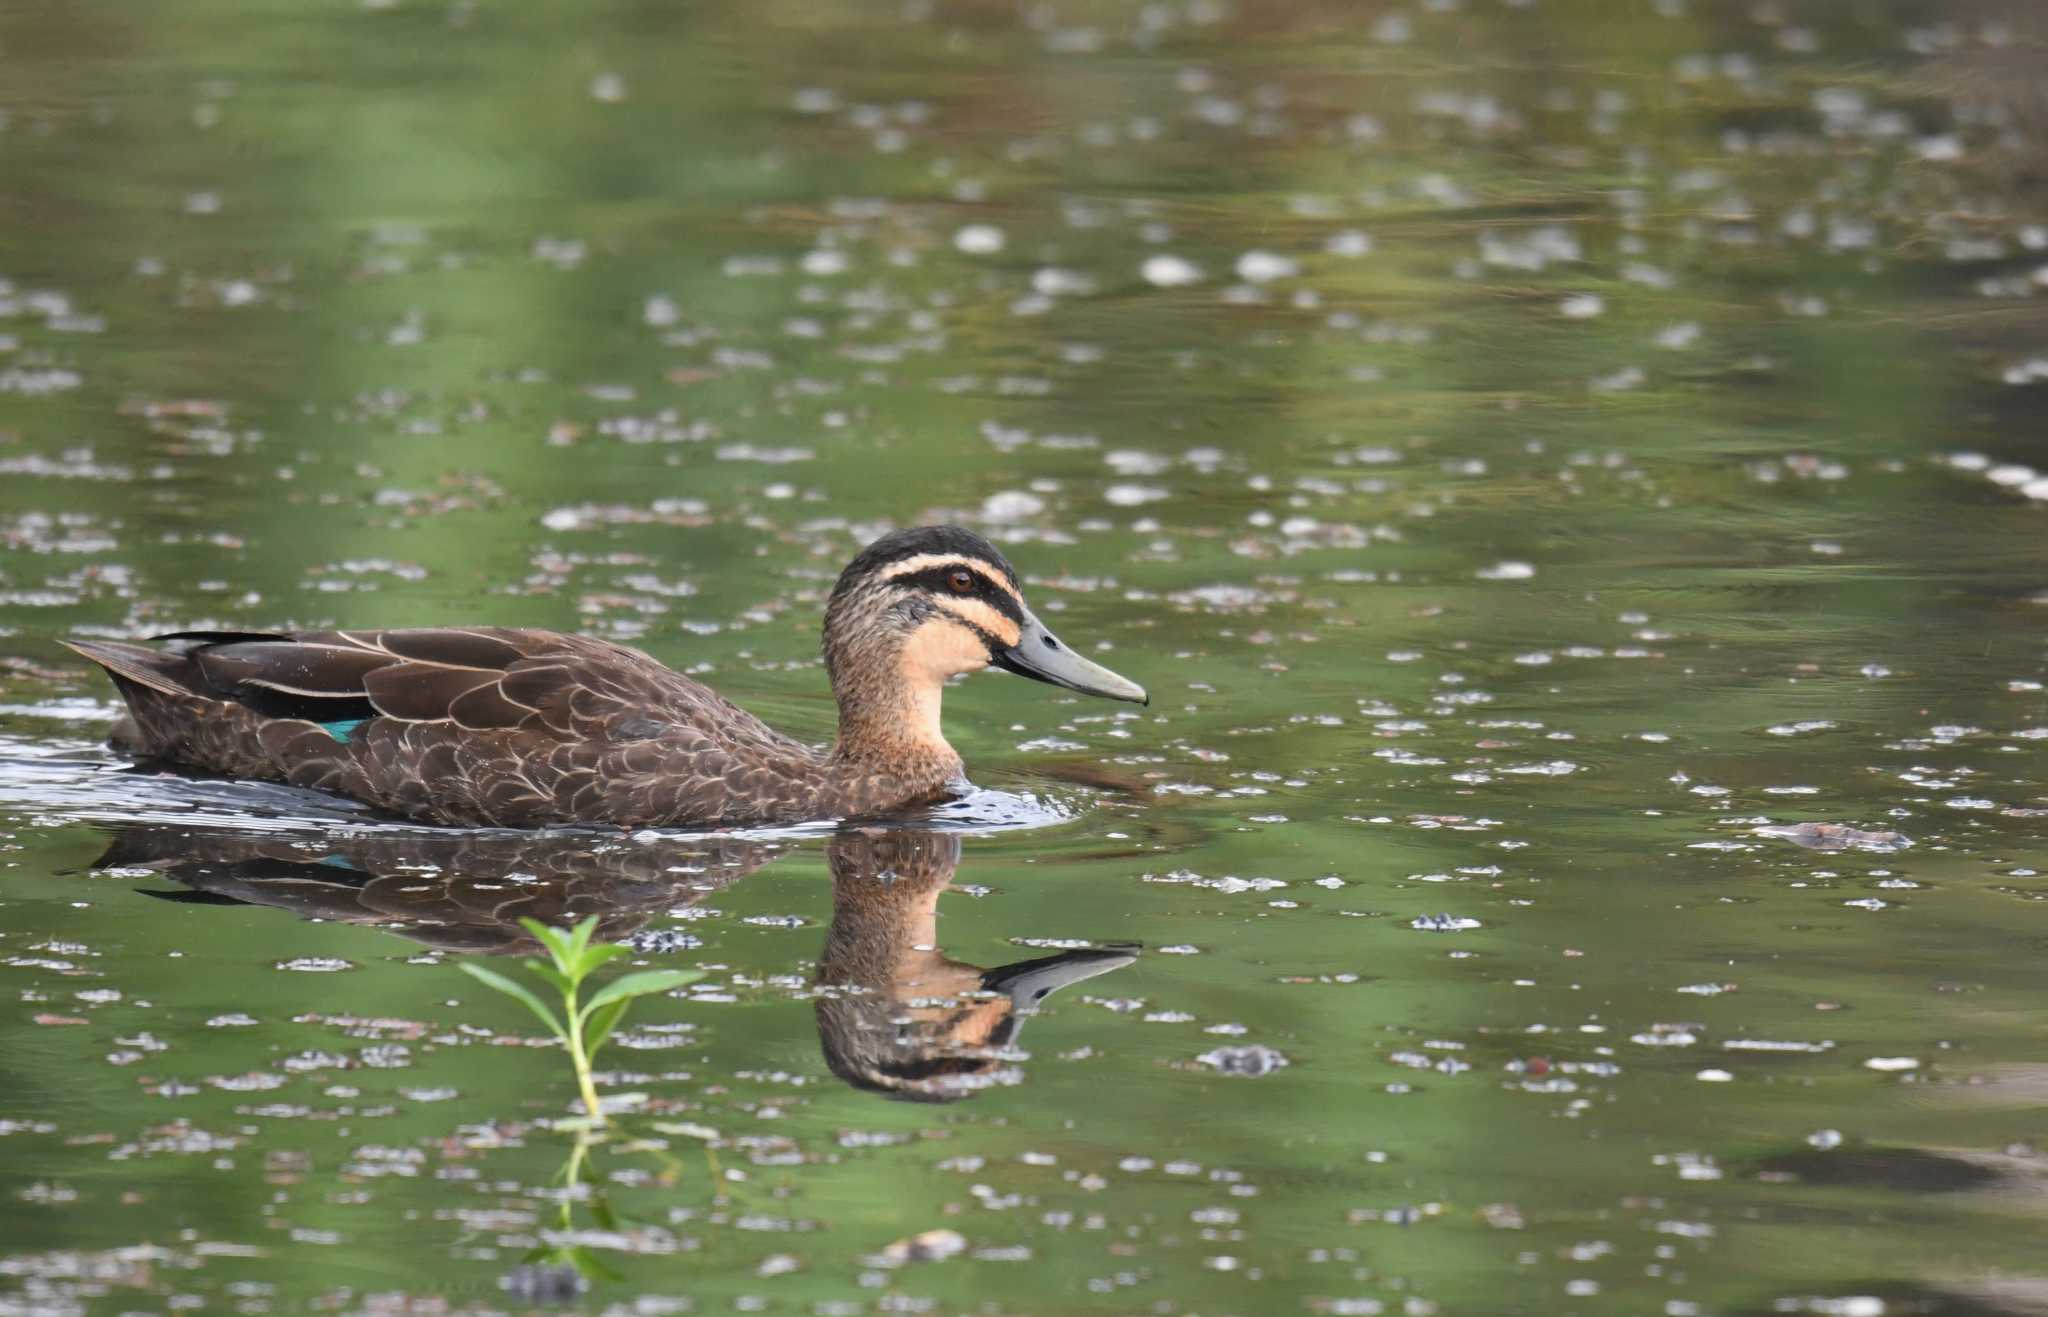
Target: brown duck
x,y
505,727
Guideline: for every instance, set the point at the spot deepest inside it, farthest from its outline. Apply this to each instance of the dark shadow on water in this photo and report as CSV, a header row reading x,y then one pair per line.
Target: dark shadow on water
x,y
1898,1170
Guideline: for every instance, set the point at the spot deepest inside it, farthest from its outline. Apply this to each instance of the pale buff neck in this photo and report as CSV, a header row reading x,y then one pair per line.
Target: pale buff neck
x,y
889,717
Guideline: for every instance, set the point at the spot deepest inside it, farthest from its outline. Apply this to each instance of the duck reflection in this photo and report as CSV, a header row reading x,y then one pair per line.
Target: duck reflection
x,y
462,892
895,1014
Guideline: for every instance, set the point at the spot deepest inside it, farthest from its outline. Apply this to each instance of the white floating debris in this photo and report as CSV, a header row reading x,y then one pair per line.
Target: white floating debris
x,y
1131,496
1834,837
1011,505
1528,251
1169,272
931,1246
1892,1063
1582,306
1258,267
1054,282
1249,1060
1443,923
815,100
1800,728
1714,1076
1350,242
980,239
823,262
1506,571
1776,1045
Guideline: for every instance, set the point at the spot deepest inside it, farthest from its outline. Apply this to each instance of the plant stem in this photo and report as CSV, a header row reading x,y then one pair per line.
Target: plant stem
x,y
581,1061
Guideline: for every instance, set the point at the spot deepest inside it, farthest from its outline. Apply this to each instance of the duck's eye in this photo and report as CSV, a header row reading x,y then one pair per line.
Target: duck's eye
x,y
961,582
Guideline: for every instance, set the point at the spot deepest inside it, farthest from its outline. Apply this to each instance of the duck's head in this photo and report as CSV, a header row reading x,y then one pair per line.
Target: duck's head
x,y
919,606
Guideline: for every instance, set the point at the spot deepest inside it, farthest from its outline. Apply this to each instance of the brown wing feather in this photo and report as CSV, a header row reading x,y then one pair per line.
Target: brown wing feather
x,y
316,670
485,706
422,692
545,687
457,647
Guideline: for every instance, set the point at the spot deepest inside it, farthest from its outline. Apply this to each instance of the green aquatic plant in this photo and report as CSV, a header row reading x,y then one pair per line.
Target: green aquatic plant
x,y
583,1026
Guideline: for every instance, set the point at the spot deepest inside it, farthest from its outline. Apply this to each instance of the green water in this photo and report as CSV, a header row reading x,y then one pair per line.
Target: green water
x,y
1524,448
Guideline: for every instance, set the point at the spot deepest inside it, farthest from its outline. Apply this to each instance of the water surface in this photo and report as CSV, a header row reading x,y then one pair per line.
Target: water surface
x,y
1526,449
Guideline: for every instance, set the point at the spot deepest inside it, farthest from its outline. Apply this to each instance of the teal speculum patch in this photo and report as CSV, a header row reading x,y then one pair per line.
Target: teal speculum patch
x,y
342,729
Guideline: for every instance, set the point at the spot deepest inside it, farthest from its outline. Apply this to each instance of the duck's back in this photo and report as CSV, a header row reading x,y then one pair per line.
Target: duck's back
x,y
483,725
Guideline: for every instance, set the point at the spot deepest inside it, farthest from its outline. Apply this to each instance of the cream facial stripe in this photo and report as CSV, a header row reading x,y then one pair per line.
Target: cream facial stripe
x,y
986,620
924,562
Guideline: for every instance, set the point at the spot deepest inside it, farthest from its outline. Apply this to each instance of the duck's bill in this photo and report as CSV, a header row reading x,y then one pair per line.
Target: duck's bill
x,y
1042,656
1030,982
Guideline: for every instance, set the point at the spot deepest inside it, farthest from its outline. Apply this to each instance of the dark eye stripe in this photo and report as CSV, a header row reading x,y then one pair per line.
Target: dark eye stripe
x,y
939,581
988,637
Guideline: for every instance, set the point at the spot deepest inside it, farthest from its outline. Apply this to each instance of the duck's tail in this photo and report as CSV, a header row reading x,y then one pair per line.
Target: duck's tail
x,y
136,669
156,669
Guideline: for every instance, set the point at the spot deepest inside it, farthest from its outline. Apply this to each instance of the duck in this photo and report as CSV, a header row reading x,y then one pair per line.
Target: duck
x,y
524,728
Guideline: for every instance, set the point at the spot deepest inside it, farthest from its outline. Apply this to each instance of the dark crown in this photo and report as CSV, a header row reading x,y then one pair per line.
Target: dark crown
x,y
899,545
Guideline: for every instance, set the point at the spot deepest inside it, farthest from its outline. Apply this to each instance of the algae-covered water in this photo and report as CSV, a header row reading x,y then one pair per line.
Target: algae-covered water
x,y
1565,469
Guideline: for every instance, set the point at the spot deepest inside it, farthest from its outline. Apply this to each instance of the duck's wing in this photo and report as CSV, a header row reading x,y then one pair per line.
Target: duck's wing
x,y
467,678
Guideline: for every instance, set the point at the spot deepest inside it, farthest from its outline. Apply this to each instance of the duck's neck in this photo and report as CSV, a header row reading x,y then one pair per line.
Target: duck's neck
x,y
890,727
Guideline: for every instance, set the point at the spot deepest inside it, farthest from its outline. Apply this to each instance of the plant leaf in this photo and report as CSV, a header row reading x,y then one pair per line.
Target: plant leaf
x,y
579,937
589,1266
601,954
598,1023
490,978
642,983
551,976
555,941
